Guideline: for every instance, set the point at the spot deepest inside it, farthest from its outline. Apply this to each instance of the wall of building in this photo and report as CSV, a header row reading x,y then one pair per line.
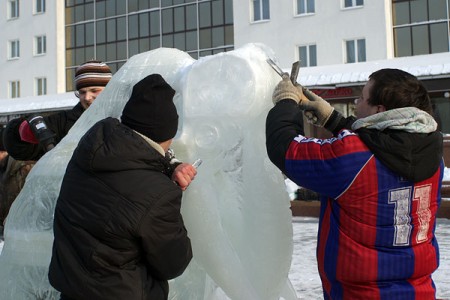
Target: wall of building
x,y
328,28
25,28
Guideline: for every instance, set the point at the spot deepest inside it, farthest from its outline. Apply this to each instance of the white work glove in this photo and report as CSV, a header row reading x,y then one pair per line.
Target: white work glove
x,y
316,110
287,90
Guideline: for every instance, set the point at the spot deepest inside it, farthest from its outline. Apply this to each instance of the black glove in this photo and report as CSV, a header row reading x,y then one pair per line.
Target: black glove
x,y
43,134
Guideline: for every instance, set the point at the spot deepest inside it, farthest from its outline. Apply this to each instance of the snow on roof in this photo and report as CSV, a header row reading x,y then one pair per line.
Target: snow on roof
x,y
422,66
38,103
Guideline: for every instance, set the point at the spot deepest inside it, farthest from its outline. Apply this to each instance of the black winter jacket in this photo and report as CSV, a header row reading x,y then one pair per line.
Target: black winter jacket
x,y
118,229
60,123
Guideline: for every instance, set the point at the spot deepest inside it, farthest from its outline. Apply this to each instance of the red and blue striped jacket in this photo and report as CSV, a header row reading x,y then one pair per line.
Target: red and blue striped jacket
x,y
376,237
376,228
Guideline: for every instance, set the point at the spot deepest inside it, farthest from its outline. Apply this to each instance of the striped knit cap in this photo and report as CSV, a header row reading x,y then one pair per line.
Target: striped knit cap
x,y
92,73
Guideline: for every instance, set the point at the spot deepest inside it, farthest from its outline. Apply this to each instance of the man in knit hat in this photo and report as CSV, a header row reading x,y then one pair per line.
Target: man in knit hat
x,y
122,236
28,138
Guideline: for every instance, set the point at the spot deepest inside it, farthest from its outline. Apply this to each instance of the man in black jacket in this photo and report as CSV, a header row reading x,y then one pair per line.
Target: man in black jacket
x,y
118,229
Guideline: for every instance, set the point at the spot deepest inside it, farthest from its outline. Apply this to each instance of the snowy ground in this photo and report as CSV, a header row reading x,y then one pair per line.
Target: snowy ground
x,y
305,278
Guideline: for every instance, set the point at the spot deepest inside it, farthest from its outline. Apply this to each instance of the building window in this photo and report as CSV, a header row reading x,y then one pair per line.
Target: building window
x,y
420,27
356,50
14,49
41,86
305,7
308,55
261,10
14,89
108,31
40,45
13,9
39,6
353,3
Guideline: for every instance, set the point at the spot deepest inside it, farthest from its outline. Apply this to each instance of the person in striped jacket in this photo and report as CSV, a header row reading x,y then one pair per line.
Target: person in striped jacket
x,y
379,178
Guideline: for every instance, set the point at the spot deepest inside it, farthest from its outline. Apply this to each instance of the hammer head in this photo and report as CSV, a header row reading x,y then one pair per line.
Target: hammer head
x,y
294,70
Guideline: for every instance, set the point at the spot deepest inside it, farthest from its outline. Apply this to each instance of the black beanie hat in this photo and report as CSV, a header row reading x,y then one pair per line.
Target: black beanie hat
x,y
150,109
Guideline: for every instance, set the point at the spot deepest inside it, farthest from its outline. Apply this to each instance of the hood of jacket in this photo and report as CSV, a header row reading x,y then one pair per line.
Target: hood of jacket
x,y
111,146
415,156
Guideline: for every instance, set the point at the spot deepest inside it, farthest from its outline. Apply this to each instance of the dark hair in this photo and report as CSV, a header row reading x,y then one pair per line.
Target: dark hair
x,y
395,88
2,145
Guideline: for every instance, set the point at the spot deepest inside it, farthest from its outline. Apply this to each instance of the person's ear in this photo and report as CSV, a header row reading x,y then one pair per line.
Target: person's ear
x,y
381,108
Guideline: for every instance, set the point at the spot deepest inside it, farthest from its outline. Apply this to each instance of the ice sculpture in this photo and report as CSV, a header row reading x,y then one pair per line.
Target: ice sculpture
x,y
236,211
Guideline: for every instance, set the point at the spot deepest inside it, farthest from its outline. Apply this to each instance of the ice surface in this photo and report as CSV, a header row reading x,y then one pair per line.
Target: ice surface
x,y
236,211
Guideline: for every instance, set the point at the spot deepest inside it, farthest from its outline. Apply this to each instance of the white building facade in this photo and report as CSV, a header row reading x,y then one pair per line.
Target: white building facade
x,y
324,29
329,32
42,42
31,48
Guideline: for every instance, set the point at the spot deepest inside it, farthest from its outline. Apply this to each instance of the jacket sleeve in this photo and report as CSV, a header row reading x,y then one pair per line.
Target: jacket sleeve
x,y
283,123
164,238
338,122
17,148
59,123
173,162
309,162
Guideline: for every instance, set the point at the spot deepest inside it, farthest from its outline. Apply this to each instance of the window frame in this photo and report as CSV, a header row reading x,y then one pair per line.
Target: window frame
x,y
308,54
356,50
306,7
40,45
406,30
14,89
39,7
354,4
14,49
13,9
262,6
40,86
